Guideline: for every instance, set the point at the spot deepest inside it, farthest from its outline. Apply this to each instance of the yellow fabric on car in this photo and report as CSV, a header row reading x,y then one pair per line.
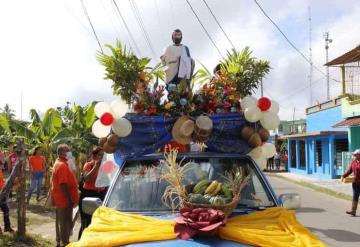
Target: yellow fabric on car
x,y
271,227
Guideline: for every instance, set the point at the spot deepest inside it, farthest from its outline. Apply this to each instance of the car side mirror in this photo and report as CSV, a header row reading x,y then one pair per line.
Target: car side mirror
x,y
290,200
90,204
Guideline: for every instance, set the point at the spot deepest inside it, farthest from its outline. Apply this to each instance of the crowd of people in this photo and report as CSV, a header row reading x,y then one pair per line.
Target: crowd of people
x,y
65,192
274,163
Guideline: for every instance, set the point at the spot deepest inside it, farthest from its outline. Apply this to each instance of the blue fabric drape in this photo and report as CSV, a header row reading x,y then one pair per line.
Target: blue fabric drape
x,y
149,133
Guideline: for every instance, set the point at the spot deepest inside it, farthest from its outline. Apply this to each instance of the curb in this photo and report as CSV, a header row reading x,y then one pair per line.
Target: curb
x,y
315,187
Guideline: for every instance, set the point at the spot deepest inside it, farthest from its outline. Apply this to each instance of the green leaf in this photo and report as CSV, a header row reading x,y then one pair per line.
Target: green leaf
x,y
4,123
90,115
52,122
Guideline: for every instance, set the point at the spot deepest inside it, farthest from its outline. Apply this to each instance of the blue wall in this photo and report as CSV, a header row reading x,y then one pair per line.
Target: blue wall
x,y
324,120
327,169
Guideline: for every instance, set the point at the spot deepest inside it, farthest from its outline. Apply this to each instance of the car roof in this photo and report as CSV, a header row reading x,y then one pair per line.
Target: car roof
x,y
191,155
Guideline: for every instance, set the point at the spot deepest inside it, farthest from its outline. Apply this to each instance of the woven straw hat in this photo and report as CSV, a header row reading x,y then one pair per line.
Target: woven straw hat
x,y
357,151
182,130
203,128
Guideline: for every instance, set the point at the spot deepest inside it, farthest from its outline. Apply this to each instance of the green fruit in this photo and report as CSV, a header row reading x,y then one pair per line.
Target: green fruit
x,y
201,186
217,201
226,192
198,198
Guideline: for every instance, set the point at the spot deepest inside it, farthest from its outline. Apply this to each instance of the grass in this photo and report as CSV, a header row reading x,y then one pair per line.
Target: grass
x,y
9,240
317,188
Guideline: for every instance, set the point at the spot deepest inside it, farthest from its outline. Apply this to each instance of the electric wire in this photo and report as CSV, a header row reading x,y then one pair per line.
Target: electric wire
x,y
142,26
92,27
202,25
217,21
126,27
288,40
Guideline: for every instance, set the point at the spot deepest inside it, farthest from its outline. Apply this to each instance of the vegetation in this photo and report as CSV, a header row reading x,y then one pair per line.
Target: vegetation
x,y
9,240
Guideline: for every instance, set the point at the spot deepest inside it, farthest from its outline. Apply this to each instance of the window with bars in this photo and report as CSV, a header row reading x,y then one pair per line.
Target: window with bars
x,y
318,154
341,145
293,153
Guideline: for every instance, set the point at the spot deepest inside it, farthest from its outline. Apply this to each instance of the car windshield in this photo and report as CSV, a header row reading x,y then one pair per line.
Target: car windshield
x,y
139,188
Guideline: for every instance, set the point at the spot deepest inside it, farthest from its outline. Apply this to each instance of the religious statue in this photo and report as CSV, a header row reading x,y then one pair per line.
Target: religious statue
x,y
177,59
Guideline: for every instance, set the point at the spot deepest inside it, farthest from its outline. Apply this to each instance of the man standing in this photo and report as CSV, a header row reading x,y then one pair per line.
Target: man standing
x,y
355,169
37,169
65,195
178,61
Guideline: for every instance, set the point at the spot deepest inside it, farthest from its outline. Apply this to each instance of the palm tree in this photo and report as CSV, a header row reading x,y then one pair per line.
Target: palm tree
x,y
8,112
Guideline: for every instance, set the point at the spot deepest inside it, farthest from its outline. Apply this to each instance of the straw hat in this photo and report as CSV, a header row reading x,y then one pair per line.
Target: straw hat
x,y
357,151
203,128
183,129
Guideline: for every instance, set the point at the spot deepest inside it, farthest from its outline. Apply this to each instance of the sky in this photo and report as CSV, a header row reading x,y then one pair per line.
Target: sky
x,y
48,50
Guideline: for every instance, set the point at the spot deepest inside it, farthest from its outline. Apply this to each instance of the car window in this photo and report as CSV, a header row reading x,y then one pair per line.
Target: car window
x,y
139,186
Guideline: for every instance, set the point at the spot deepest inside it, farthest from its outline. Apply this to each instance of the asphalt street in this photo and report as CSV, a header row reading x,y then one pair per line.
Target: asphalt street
x,y
323,214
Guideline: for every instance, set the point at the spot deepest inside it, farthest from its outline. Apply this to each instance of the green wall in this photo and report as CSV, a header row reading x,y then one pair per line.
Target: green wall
x,y
354,138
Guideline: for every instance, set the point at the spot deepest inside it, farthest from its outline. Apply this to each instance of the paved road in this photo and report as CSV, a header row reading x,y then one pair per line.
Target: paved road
x,y
323,214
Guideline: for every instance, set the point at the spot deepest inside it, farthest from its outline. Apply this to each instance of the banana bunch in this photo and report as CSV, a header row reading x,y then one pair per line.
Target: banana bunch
x,y
201,186
214,188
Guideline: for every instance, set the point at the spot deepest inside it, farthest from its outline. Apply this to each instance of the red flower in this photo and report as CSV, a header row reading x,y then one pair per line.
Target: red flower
x,y
198,220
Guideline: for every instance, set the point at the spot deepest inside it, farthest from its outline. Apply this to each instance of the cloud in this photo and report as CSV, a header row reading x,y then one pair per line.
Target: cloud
x,y
48,48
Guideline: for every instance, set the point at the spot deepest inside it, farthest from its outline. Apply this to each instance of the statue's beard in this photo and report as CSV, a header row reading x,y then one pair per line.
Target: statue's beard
x,y
177,41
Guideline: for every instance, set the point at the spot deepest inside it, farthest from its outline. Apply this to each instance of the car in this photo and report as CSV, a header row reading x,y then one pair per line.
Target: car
x,y
137,188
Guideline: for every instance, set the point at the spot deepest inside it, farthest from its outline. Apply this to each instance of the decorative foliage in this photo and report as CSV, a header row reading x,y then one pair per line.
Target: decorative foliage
x,y
244,70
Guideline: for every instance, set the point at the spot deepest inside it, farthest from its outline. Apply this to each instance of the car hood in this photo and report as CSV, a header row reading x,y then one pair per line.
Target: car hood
x,y
196,242
208,241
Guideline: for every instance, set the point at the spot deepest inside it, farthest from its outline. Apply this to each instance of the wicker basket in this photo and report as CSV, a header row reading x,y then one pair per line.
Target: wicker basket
x,y
227,208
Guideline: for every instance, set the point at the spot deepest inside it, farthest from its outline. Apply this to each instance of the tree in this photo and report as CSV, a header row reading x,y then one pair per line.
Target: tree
x,y
77,130
47,135
8,112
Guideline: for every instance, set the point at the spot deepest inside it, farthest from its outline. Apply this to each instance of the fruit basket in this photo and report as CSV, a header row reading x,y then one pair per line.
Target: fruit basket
x,y
221,195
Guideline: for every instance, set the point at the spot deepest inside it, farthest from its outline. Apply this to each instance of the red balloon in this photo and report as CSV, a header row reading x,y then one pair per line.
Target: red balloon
x,y
108,166
107,119
264,104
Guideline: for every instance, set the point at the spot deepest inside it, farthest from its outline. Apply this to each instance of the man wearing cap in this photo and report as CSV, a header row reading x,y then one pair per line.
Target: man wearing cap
x,y
355,169
177,59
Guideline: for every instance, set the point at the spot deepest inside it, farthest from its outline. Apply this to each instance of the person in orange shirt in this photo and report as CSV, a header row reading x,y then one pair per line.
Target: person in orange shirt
x,y
3,204
88,188
65,195
37,169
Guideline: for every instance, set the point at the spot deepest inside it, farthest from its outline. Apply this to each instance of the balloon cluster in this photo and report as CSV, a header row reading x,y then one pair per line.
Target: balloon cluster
x,y
111,119
263,110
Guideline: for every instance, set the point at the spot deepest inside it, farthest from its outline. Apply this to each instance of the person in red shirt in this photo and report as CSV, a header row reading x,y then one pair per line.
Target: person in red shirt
x,y
88,188
37,169
65,195
355,169
3,204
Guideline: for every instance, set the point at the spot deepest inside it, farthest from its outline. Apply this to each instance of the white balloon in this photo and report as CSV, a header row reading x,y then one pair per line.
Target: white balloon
x,y
122,127
269,150
252,114
248,101
118,108
270,120
255,153
274,107
261,162
101,108
99,130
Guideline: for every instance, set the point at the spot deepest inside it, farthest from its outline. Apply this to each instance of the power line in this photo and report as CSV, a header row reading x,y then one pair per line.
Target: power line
x,y
287,39
127,28
142,26
207,33
92,27
213,15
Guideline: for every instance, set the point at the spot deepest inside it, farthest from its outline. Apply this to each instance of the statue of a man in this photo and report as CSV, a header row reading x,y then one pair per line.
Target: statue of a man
x,y
177,58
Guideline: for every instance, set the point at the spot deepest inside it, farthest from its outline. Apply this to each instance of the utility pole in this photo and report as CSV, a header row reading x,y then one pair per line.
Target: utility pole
x,y
327,42
310,56
262,89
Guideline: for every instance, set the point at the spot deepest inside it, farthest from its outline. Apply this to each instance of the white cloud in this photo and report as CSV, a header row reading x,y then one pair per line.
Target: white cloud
x,y
48,49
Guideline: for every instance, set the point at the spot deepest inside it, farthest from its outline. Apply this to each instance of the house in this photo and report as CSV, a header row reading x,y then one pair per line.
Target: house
x,y
332,127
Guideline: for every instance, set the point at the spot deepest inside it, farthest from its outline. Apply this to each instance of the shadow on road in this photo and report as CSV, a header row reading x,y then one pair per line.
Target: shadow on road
x,y
338,235
310,210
